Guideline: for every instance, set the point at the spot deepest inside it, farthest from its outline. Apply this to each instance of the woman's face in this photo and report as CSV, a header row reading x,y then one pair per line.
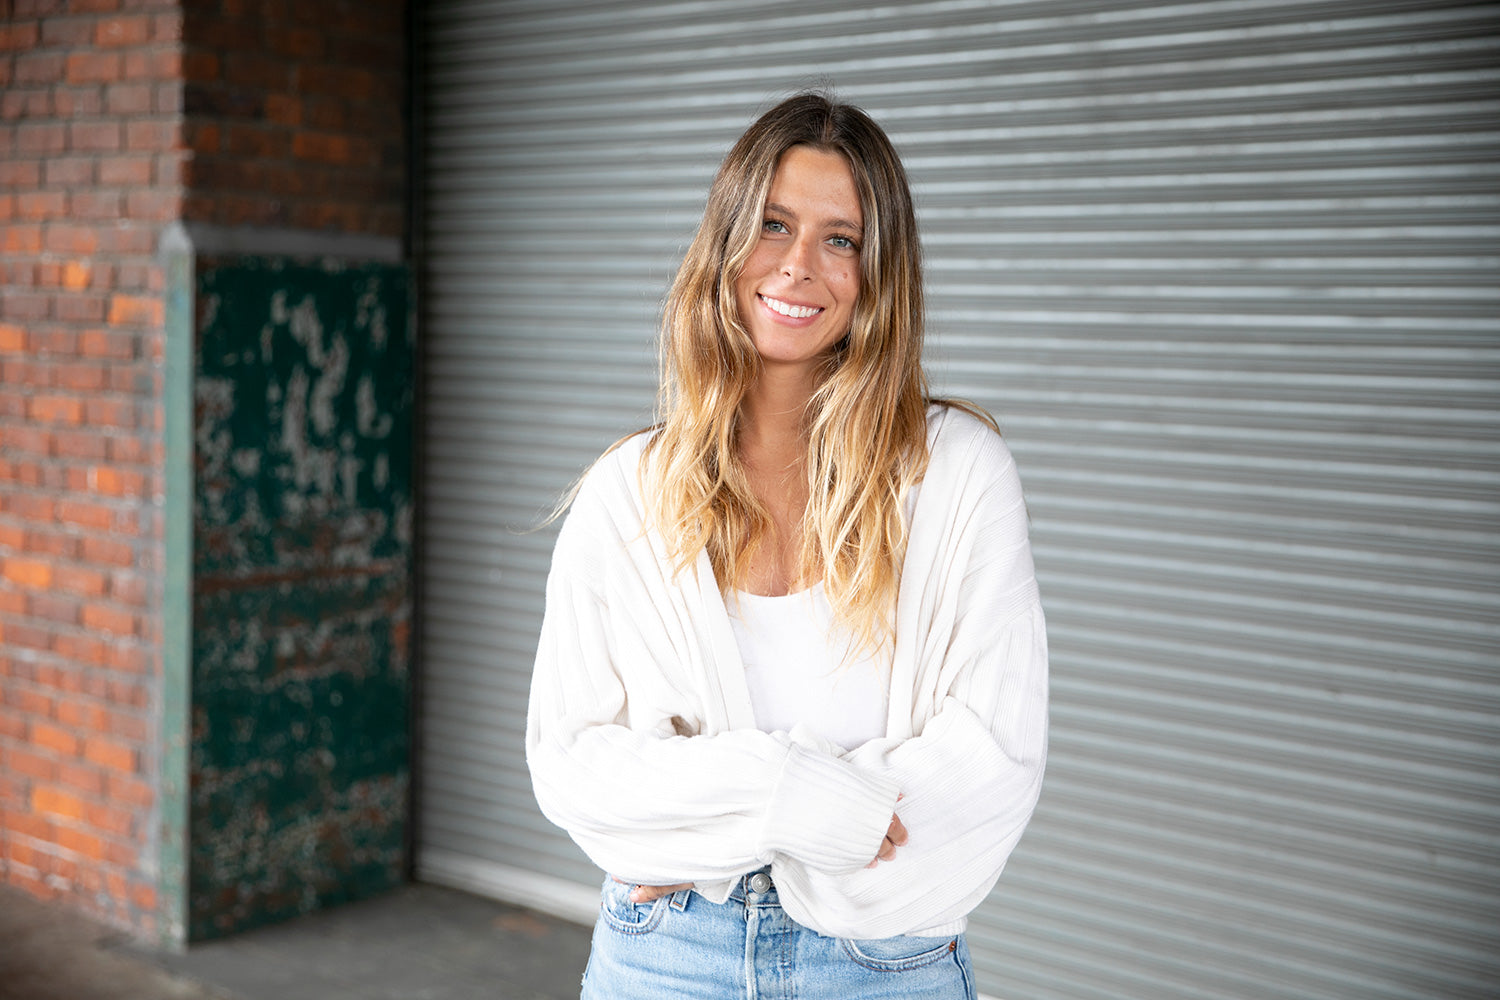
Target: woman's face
x,y
796,294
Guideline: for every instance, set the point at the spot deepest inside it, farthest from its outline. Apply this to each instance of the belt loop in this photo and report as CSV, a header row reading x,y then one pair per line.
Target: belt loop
x,y
680,899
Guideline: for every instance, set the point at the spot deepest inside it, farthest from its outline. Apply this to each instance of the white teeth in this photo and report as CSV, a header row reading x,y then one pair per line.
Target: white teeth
x,y
787,309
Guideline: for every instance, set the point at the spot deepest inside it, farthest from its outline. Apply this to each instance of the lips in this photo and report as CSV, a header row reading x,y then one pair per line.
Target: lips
x,y
790,309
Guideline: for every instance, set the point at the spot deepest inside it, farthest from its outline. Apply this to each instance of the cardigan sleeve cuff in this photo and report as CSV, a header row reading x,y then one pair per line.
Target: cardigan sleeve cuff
x,y
828,813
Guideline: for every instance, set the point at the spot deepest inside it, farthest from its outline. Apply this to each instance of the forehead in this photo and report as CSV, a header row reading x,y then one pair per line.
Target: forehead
x,y
817,183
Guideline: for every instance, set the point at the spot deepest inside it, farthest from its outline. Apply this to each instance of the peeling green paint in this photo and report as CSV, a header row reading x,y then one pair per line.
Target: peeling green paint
x,y
302,526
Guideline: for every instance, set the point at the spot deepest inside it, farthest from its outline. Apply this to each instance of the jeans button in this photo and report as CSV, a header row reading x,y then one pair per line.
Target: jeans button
x,y
760,882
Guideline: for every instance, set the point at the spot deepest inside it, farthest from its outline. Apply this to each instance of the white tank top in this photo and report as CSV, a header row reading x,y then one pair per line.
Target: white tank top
x,y
797,672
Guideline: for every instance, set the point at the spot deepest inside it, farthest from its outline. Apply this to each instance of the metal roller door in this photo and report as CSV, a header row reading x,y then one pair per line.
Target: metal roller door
x,y
1225,272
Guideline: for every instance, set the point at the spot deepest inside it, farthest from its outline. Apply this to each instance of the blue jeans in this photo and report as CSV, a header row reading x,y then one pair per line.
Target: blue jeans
x,y
682,945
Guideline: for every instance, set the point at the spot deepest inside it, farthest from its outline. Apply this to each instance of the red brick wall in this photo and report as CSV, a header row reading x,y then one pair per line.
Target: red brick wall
x,y
117,117
90,169
295,114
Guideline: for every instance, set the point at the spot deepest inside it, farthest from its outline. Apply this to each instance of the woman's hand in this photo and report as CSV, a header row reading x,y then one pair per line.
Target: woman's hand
x,y
895,836
651,893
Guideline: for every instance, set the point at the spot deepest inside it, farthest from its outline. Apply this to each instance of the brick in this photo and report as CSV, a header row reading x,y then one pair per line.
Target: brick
x,y
70,239
38,67
132,659
128,98
67,32
322,147
108,551
55,409
34,102
152,135
28,636
167,27
129,790
54,608
80,842
110,344
200,67
78,102
37,827
143,895
32,703
93,67
300,43
128,726
30,573
201,137
81,649
127,310
69,171
79,307
18,304
125,170
80,376
156,64
154,206
116,482
128,238
94,137
78,444
130,450
41,138
41,204
283,109
81,777
76,273
93,6
126,693
109,754
103,618
84,514
109,819
79,580
114,32
21,239
54,343
32,765
19,36
54,738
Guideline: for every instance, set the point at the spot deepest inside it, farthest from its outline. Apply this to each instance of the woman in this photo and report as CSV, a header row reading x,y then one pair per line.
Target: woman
x,y
791,685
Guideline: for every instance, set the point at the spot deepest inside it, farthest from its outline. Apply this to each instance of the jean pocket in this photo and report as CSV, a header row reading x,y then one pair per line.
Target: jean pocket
x,y
901,953
626,917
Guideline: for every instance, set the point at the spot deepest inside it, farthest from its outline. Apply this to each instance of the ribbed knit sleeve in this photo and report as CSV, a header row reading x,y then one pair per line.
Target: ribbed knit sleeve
x,y
626,750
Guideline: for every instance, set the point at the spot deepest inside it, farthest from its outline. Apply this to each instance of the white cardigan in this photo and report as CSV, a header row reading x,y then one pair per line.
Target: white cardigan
x,y
642,743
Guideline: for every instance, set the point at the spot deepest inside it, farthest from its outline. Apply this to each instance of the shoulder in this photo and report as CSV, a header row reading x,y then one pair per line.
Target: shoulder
x,y
963,444
609,493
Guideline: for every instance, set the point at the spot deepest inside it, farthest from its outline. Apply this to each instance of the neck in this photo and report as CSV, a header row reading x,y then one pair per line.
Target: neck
x,y
772,412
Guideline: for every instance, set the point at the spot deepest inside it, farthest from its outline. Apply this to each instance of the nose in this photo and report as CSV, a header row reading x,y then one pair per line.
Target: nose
x,y
798,262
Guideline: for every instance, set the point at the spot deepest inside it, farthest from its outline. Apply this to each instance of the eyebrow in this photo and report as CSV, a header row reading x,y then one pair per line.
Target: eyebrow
x,y
780,209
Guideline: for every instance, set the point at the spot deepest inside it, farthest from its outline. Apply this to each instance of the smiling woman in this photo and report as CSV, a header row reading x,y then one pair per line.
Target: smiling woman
x,y
791,685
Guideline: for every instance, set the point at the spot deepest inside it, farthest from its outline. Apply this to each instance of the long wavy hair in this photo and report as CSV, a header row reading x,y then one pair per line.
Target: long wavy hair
x,y
866,423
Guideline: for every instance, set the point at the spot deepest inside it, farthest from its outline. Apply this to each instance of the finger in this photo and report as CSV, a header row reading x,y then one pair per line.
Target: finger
x,y
651,893
897,833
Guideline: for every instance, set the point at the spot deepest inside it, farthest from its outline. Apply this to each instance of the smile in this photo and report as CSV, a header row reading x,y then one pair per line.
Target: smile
x,y
789,310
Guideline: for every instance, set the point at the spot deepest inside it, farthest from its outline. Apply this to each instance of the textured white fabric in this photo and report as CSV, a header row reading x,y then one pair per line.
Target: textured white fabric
x,y
642,742
800,671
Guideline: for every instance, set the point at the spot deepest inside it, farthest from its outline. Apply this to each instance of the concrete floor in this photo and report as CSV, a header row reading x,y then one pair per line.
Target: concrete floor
x,y
420,942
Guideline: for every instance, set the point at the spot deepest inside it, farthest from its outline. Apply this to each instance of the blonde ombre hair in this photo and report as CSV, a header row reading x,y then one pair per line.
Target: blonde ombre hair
x,y
866,424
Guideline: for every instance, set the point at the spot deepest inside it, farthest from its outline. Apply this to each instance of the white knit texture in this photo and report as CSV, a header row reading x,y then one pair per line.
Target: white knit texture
x,y
642,742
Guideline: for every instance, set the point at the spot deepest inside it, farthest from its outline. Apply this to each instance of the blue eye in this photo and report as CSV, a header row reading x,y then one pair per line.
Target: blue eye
x,y
843,243
773,226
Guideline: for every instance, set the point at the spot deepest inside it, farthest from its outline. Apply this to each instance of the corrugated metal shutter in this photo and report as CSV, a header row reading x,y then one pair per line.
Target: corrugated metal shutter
x,y
1225,271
